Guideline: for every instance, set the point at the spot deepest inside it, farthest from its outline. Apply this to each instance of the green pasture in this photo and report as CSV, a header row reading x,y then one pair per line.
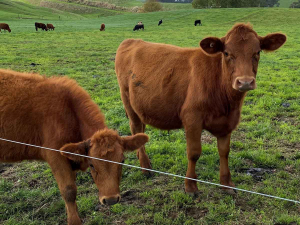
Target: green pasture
x,y
267,137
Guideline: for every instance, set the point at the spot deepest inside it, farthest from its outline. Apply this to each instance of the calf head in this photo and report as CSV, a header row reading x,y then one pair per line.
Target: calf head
x,y
241,49
108,145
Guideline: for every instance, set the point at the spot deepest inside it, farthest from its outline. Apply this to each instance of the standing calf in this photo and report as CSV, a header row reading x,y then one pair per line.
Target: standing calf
x,y
102,28
57,113
4,26
50,26
195,89
198,22
40,25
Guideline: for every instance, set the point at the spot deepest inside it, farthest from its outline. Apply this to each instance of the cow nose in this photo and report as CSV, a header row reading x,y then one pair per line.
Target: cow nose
x,y
245,84
110,200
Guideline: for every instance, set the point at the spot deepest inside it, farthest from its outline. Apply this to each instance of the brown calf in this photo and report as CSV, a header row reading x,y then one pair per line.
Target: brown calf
x,y
50,26
102,28
170,87
4,26
57,113
40,25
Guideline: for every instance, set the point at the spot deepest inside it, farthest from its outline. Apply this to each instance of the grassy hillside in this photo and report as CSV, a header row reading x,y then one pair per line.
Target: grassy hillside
x,y
267,138
54,10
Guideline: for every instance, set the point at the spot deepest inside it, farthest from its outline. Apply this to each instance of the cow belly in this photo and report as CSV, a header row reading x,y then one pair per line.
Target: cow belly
x,y
157,113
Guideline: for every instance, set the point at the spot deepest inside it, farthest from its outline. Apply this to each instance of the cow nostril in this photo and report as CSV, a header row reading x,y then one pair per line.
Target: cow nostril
x,y
118,200
240,82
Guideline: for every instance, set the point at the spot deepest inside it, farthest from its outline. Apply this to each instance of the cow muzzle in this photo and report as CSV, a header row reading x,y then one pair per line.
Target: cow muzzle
x,y
244,84
110,200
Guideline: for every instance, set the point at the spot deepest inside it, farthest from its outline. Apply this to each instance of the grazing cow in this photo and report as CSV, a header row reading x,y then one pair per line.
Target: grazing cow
x,y
198,22
102,28
40,25
138,27
159,22
50,26
4,26
57,113
195,88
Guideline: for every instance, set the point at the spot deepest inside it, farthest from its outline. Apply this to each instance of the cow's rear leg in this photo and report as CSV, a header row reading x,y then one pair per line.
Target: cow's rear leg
x,y
137,126
65,178
225,176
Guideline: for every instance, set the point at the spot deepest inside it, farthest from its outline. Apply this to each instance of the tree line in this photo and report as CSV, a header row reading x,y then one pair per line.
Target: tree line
x,y
234,3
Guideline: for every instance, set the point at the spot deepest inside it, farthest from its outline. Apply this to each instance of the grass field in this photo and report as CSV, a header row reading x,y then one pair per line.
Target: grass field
x,y
267,138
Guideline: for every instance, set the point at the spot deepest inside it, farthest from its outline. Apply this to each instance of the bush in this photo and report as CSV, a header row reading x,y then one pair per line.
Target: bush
x,y
152,6
197,4
295,4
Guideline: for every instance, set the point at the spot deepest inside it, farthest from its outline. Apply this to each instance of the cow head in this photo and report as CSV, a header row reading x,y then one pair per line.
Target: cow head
x,y
241,49
108,145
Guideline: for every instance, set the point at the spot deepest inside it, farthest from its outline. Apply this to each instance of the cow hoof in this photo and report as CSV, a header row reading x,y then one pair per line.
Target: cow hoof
x,y
194,195
229,191
148,174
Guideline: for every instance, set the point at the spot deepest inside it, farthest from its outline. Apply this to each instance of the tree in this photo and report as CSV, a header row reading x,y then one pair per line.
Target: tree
x,y
152,6
197,4
269,3
295,4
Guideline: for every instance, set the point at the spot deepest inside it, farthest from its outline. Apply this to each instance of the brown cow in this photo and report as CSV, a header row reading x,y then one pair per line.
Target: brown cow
x,y
195,88
50,26
102,28
57,113
4,26
40,25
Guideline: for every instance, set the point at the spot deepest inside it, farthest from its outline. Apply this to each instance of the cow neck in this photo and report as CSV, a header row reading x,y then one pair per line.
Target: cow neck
x,y
89,116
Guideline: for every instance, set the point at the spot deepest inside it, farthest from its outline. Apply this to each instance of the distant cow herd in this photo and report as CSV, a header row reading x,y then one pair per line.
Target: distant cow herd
x,y
196,89
49,26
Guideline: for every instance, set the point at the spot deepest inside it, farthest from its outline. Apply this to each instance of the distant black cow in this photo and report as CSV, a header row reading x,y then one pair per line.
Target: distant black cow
x,y
40,25
159,22
138,27
198,22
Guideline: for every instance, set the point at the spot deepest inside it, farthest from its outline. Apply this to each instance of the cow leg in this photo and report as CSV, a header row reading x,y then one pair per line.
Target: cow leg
x,y
136,126
65,178
224,148
193,139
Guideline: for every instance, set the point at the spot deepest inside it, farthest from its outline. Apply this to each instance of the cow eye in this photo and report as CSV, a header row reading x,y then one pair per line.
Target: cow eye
x,y
226,54
91,165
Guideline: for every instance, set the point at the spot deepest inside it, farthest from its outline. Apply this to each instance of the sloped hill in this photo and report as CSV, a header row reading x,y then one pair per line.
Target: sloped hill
x,y
50,9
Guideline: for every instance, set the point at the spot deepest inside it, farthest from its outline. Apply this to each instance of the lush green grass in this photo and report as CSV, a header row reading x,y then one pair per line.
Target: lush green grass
x,y
268,136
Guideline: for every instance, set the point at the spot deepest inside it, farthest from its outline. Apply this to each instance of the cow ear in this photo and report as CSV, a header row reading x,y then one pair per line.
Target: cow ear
x,y
212,45
272,42
134,142
80,148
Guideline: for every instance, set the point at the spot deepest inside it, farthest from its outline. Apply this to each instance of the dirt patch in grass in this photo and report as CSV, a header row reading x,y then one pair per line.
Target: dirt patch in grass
x,y
287,119
257,173
4,167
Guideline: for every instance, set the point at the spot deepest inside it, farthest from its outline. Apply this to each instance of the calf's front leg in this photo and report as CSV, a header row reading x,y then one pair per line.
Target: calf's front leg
x,y
65,178
193,139
224,148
